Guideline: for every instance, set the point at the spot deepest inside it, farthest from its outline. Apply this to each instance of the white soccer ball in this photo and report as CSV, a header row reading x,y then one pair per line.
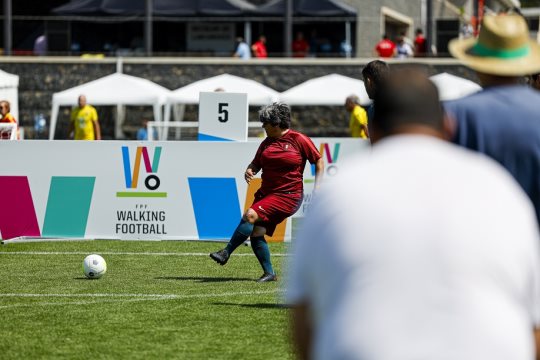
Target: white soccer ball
x,y
94,266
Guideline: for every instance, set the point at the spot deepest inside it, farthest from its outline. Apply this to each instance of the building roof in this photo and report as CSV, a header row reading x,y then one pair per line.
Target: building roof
x,y
308,8
160,7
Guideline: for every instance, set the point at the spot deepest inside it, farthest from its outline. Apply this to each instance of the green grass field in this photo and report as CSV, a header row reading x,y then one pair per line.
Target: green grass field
x,y
164,299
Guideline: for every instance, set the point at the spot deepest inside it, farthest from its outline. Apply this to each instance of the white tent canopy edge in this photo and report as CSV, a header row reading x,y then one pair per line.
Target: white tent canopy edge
x,y
114,89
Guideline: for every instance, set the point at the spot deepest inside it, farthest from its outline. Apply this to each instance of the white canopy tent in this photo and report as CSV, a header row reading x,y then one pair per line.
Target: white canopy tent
x,y
9,90
258,94
453,87
331,90
115,89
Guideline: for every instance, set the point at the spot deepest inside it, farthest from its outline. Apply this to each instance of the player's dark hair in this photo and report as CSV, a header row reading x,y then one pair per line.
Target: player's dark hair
x,y
376,70
407,97
277,114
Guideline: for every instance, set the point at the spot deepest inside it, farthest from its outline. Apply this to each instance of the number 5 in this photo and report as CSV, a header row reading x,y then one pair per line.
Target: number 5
x,y
224,112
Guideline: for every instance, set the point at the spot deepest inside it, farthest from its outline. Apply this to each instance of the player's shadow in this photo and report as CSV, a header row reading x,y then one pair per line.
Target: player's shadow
x,y
258,306
202,279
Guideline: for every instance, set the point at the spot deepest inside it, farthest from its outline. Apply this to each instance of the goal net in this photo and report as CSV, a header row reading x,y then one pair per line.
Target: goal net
x,y
188,130
8,131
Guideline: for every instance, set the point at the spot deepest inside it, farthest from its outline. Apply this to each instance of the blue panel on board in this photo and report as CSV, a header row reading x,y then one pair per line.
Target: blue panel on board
x,y
204,137
216,206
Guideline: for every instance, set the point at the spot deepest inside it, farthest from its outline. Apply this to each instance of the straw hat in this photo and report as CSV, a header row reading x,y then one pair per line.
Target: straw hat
x,y
503,47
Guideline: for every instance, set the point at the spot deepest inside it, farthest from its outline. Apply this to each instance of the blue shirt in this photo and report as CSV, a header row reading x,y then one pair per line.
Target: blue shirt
x,y
243,51
503,122
142,134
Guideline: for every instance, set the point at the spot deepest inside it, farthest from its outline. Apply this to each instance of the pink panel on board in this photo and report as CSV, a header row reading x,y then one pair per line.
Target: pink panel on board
x,y
17,213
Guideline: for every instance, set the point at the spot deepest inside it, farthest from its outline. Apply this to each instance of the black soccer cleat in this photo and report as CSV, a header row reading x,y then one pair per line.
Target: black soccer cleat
x,y
266,277
221,256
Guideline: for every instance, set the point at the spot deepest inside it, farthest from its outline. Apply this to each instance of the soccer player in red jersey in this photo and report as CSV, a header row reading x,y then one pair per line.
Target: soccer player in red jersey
x,y
282,157
259,48
385,48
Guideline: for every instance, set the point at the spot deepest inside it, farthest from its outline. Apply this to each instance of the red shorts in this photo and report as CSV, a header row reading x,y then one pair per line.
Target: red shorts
x,y
272,209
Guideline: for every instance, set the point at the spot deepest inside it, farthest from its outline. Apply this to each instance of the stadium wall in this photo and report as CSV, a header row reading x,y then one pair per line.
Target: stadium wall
x,y
40,78
179,190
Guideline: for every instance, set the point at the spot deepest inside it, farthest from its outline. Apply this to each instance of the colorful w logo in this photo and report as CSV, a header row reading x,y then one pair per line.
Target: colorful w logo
x,y
151,182
330,158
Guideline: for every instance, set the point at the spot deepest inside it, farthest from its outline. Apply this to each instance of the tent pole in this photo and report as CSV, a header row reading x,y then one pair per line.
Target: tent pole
x,y
54,116
119,65
247,32
348,50
8,36
287,41
120,117
429,27
148,28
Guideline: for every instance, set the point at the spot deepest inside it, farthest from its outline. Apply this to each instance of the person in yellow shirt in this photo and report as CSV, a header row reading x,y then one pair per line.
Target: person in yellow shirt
x,y
6,117
358,124
84,122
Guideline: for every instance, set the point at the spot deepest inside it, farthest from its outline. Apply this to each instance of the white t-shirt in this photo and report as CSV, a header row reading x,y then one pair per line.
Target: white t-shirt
x,y
419,250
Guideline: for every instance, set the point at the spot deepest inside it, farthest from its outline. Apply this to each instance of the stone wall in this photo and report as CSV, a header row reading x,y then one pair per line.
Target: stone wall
x,y
40,78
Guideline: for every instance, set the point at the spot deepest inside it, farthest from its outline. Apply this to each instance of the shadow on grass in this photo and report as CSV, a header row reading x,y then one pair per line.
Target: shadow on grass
x,y
202,278
258,306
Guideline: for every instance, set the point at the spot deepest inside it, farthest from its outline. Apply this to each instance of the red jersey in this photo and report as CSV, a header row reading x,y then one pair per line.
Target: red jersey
x,y
300,48
420,45
282,161
259,49
385,48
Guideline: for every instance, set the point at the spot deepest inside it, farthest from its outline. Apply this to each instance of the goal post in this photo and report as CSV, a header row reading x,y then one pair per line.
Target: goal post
x,y
8,131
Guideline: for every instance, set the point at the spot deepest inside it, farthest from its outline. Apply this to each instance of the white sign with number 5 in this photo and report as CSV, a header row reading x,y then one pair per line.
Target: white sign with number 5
x,y
223,116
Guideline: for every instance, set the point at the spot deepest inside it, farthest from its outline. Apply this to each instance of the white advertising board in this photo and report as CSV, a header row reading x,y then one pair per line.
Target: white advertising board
x,y
223,116
137,190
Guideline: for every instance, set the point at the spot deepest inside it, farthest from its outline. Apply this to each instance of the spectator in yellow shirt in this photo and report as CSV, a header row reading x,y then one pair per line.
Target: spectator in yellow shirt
x,y
6,117
358,124
84,122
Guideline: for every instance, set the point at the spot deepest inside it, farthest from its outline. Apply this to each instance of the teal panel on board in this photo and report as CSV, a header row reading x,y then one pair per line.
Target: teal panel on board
x,y
68,206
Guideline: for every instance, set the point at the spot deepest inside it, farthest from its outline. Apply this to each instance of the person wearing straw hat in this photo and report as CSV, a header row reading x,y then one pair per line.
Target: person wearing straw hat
x,y
502,120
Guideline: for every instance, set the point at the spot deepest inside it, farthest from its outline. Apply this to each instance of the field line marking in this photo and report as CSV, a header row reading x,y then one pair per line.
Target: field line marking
x,y
117,253
139,297
85,295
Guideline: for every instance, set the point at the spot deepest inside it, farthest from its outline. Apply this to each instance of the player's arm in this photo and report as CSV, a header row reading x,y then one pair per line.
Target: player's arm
x,y
251,171
302,330
97,130
364,122
319,171
365,128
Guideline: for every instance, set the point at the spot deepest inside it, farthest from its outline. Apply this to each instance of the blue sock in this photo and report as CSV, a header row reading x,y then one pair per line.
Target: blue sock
x,y
242,232
262,252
